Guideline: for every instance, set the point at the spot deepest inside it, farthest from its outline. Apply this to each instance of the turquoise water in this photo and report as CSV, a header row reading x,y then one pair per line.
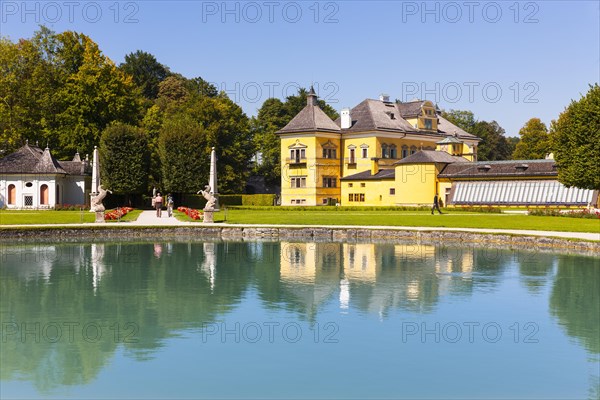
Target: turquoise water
x,y
296,320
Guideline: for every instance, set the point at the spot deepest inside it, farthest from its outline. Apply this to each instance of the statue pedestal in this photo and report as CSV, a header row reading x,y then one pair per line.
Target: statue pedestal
x,y
100,217
208,217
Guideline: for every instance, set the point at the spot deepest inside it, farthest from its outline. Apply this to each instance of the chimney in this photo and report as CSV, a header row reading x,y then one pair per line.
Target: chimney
x,y
311,97
374,165
346,118
385,98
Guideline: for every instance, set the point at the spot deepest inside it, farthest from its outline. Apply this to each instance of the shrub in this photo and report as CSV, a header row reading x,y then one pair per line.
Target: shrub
x,y
553,212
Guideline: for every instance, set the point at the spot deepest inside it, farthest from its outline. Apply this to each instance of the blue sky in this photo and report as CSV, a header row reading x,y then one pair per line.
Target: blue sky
x,y
505,60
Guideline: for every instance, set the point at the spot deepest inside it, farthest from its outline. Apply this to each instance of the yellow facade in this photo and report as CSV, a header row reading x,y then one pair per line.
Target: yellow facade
x,y
318,165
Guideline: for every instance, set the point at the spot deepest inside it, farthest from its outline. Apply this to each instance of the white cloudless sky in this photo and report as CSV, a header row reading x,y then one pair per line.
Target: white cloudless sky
x,y
507,61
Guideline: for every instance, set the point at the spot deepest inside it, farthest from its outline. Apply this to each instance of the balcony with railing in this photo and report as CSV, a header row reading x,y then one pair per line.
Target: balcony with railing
x,y
296,161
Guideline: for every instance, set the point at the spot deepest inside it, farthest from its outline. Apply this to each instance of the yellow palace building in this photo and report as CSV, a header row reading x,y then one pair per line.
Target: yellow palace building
x,y
383,153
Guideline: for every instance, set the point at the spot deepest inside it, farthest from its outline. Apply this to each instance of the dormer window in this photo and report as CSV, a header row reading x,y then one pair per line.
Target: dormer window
x,y
522,167
484,168
428,123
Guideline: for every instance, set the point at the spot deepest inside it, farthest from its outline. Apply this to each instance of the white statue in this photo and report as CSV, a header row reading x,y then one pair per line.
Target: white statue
x,y
97,205
210,198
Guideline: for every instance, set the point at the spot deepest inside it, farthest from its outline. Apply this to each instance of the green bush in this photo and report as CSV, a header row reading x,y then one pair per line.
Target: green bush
x,y
553,212
258,200
230,200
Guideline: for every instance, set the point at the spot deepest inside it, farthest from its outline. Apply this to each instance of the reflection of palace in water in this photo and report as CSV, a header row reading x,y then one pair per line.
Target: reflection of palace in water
x,y
375,277
165,287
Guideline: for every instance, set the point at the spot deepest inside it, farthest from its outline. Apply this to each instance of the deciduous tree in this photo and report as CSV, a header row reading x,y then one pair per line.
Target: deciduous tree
x,y
124,159
534,143
575,141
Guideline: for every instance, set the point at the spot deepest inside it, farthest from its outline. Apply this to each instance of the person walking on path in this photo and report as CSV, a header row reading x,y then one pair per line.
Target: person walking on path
x,y
170,205
158,204
436,204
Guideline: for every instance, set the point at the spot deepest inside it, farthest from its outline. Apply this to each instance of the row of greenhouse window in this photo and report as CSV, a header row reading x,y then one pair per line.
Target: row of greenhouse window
x,y
523,192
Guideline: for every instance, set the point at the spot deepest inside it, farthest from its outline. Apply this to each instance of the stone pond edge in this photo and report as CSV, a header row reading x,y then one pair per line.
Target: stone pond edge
x,y
341,234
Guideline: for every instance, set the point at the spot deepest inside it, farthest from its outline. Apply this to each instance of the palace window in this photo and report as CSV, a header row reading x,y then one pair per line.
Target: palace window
x,y
350,185
28,201
384,151
298,181
329,182
352,158
393,151
329,153
404,151
297,154
413,149
363,184
392,191
365,152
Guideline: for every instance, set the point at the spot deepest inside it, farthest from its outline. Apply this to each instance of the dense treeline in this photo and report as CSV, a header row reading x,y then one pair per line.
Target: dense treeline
x,y
58,89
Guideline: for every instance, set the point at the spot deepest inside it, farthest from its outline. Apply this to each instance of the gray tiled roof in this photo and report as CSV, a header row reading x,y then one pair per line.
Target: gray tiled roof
x,y
411,109
374,114
431,156
366,175
48,164
33,160
484,169
310,119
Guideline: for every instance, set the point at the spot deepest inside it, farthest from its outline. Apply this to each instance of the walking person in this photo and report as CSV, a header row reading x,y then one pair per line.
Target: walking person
x,y
158,204
170,205
436,204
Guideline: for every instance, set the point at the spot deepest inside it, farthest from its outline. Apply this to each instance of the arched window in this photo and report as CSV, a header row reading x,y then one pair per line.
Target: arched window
x,y
413,149
393,151
12,195
404,151
44,195
384,151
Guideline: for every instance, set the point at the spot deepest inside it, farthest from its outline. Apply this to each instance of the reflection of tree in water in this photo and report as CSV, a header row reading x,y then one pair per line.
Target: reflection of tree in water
x,y
159,295
575,300
535,269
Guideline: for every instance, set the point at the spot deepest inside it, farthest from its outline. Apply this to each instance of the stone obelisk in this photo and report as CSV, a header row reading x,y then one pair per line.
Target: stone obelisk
x,y
212,178
95,173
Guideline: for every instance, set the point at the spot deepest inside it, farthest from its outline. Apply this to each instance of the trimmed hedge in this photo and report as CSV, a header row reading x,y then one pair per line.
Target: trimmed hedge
x,y
230,200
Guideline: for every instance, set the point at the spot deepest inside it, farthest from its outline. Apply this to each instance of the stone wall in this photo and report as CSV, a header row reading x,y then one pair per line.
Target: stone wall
x,y
290,233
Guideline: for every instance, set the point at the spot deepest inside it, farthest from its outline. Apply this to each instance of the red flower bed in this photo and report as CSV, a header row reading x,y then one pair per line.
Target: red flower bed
x,y
117,213
190,212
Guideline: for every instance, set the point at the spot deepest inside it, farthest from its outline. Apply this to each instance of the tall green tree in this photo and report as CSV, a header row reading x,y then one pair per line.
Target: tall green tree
x,y
271,117
124,159
575,142
534,143
182,146
464,119
146,71
61,90
494,145
226,128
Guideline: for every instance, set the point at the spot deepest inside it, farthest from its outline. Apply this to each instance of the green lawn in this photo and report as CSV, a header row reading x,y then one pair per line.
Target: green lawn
x,y
454,219
28,217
